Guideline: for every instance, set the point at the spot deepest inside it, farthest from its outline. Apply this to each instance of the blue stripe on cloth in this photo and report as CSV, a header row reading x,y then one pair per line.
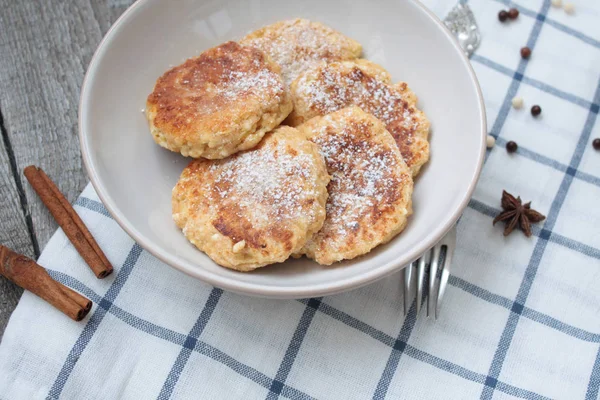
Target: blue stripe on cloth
x,y
312,305
518,392
530,272
75,284
518,76
397,350
553,23
470,375
480,292
292,393
579,35
584,176
526,283
94,322
542,233
568,243
246,371
560,326
128,318
444,365
356,324
190,344
524,152
483,208
179,339
532,82
417,354
78,348
526,312
539,158
594,383
93,205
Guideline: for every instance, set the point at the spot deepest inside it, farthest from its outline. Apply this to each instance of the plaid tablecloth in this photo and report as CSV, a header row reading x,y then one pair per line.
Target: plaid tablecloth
x,y
521,317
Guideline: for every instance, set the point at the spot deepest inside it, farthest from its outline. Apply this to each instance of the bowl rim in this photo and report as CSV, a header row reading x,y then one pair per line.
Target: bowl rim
x,y
255,289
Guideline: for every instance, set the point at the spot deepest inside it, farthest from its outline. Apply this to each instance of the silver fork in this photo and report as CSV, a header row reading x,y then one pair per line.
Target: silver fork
x,y
436,287
461,22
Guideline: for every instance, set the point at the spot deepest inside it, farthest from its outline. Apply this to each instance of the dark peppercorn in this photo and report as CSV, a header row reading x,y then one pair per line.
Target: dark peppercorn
x,y
502,16
513,13
536,110
596,143
525,52
511,147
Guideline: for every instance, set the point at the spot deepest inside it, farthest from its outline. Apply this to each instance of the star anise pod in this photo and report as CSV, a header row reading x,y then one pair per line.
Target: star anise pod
x,y
515,213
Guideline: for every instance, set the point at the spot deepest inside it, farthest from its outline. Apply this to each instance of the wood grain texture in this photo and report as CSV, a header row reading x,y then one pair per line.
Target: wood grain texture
x,y
46,47
14,234
108,11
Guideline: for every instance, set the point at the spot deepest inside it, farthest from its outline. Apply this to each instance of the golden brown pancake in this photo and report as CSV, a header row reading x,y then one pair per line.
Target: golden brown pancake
x,y
218,103
256,207
330,87
370,189
299,44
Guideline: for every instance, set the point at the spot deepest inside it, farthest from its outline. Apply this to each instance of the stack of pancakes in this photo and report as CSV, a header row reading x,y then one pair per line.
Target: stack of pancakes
x,y
299,147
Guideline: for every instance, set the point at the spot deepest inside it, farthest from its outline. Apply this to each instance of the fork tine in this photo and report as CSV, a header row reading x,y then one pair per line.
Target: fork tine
x,y
443,280
407,283
450,242
402,286
420,281
433,267
442,288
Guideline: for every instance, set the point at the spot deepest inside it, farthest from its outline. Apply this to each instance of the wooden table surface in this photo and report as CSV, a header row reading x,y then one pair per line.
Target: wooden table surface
x,y
45,48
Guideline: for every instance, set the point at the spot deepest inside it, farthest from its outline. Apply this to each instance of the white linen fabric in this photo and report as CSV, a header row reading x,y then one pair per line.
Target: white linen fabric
x,y
521,317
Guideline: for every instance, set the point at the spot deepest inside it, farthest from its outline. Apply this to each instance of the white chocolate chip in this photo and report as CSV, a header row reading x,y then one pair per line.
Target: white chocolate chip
x,y
239,246
215,236
569,8
557,3
517,102
490,141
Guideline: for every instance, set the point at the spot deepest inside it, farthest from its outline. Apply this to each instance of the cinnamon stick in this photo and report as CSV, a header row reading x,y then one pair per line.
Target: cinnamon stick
x,y
27,274
83,302
69,221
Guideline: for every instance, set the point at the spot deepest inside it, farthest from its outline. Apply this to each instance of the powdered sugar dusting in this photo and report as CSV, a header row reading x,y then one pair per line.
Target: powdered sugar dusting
x,y
269,183
299,45
265,84
229,75
364,178
332,87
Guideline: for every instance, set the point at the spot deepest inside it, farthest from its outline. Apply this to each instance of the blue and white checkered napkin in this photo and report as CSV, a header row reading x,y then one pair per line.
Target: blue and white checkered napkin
x,y
521,316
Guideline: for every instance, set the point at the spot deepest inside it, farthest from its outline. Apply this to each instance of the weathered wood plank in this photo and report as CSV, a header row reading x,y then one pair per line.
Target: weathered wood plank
x,y
46,47
108,11
13,234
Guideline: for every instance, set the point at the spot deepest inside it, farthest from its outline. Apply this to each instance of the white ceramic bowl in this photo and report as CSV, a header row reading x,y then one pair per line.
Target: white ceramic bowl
x,y
134,177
